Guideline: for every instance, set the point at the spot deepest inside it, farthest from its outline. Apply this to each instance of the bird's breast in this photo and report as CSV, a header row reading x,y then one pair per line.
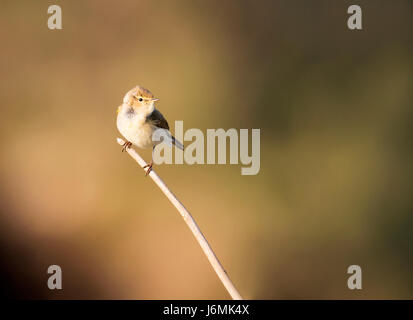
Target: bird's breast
x,y
134,128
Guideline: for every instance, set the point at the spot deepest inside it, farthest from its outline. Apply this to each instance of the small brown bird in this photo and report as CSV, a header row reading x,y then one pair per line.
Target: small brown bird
x,y
138,119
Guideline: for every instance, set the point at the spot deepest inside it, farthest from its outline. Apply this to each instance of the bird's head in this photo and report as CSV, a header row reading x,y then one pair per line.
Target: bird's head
x,y
140,98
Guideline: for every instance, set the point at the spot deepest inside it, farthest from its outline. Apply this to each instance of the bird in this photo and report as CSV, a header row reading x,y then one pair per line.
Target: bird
x,y
137,120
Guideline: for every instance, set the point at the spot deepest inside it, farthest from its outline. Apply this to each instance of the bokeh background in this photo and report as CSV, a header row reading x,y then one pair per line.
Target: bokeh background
x,y
335,187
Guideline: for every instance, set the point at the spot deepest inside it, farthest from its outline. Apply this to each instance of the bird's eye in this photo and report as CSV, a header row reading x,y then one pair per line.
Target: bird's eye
x,y
140,99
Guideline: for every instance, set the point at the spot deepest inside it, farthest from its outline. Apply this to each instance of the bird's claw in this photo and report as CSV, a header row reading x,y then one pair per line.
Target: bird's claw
x,y
126,145
149,166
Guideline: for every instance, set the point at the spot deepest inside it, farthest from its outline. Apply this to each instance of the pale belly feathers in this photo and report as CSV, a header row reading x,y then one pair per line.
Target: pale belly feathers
x,y
136,130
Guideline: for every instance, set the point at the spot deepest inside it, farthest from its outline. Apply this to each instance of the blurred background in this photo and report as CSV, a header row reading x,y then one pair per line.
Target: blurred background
x,y
335,187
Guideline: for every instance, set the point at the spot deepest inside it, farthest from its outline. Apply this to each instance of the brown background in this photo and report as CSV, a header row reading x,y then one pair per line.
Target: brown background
x,y
334,107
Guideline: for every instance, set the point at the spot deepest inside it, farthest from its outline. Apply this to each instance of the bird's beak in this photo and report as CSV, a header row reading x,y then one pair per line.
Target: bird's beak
x,y
154,99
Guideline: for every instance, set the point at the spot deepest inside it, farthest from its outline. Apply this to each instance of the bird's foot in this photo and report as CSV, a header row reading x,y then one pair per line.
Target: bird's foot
x,y
149,166
126,145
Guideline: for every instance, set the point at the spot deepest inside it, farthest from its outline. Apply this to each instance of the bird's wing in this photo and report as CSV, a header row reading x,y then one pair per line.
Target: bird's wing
x,y
156,118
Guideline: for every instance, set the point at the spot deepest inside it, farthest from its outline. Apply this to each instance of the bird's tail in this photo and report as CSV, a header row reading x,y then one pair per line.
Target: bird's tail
x,y
177,143
166,136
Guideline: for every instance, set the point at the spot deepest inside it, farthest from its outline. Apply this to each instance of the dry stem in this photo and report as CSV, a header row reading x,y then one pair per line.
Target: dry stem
x,y
223,276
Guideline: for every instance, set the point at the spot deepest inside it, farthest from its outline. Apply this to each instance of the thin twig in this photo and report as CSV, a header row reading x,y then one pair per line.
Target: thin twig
x,y
223,276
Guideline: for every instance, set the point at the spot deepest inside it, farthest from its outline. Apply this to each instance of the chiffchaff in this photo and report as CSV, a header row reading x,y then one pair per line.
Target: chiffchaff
x,y
138,119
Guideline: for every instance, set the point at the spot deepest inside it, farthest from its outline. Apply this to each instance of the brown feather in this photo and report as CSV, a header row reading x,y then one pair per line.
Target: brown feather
x,y
144,93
